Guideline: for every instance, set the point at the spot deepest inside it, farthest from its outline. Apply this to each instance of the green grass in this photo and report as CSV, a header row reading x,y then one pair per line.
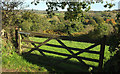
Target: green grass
x,y
35,62
12,61
80,45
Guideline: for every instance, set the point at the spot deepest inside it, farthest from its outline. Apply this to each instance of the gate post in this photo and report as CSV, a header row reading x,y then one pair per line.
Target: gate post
x,y
102,49
16,37
19,42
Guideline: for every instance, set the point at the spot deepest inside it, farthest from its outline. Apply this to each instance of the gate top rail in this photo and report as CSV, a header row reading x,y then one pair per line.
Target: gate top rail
x,y
23,33
70,38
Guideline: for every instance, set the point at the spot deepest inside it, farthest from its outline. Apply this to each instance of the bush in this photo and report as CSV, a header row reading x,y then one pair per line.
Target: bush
x,y
104,29
93,22
61,18
98,19
35,27
101,30
86,21
75,26
112,21
9,18
26,25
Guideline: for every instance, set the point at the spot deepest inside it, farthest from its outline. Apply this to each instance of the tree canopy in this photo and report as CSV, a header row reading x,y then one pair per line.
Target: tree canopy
x,y
74,7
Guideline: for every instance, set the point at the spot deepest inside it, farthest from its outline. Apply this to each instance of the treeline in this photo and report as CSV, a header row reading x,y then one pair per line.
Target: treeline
x,y
103,23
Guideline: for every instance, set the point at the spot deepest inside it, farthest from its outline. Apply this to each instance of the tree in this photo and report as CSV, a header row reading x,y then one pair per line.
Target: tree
x,y
86,22
74,8
118,17
112,21
107,20
10,5
9,14
93,22
98,19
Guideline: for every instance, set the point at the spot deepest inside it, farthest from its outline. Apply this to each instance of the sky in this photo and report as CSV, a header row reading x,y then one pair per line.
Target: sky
x,y
94,7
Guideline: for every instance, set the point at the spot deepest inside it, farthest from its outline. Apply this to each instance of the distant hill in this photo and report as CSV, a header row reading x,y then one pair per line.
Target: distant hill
x,y
42,11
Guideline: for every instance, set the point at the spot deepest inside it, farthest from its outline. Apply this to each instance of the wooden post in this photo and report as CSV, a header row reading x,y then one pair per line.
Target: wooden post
x,y
102,49
16,37
19,42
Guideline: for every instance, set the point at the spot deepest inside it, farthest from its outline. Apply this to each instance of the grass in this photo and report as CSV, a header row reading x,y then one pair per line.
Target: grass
x,y
80,45
12,61
35,62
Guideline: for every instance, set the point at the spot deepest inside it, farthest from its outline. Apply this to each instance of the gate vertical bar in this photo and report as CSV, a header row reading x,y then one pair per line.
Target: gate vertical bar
x,y
16,37
19,42
102,49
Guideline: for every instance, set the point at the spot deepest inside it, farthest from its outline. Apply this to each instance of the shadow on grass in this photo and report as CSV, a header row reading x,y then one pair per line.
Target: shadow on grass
x,y
113,64
53,64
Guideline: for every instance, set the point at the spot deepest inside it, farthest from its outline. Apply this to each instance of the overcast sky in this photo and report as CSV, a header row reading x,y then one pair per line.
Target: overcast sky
x,y
95,7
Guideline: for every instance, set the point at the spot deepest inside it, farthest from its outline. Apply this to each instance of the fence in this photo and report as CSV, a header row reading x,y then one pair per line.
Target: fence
x,y
59,38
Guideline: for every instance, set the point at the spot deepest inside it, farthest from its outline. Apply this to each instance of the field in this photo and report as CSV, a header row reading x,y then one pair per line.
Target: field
x,y
42,61
79,22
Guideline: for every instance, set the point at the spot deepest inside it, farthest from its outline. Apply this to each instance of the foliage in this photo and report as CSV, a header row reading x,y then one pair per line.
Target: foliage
x,y
104,29
113,64
74,22
112,21
30,21
35,27
107,20
93,22
118,17
98,19
30,16
100,31
9,16
11,60
10,5
26,25
86,21
74,8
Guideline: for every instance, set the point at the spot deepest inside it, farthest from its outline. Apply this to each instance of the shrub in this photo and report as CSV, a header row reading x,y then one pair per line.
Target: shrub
x,y
104,29
112,21
9,18
53,22
35,27
107,20
86,21
61,18
32,17
101,30
26,25
93,22
75,26
98,19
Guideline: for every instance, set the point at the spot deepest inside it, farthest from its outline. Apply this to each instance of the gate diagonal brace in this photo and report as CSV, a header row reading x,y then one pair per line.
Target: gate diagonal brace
x,y
80,60
34,45
82,51
38,50
40,45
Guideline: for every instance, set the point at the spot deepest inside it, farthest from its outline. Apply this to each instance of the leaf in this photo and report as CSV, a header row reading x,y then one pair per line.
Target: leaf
x,y
105,6
35,3
38,2
31,2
